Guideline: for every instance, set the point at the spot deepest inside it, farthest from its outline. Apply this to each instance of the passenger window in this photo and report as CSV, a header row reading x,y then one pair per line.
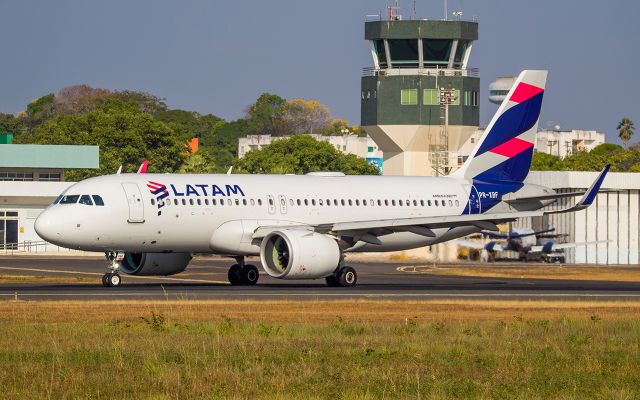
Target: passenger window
x,y
270,201
306,202
199,202
70,199
393,202
357,202
444,203
320,202
175,202
259,202
86,200
342,202
244,202
313,202
253,202
153,202
350,202
422,203
299,202
415,203
97,200
457,203
450,203
206,202
335,202
429,203
379,203
328,202
291,202
386,203
214,202
184,202
229,202
435,202
191,201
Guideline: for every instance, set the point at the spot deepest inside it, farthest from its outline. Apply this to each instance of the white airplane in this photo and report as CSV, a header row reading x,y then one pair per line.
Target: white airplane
x,y
301,226
524,241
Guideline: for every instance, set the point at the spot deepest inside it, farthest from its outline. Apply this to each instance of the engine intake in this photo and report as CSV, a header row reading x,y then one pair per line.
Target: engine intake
x,y
299,254
148,264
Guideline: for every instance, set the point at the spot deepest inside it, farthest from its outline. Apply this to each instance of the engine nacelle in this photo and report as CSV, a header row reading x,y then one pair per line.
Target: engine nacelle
x,y
299,254
154,263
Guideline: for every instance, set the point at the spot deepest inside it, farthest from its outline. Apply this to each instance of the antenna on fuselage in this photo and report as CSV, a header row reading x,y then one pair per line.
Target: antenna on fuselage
x,y
230,169
119,170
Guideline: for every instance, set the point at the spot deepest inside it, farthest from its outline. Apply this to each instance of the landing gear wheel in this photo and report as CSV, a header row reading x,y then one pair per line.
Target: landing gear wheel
x,y
111,279
234,275
249,275
332,281
347,277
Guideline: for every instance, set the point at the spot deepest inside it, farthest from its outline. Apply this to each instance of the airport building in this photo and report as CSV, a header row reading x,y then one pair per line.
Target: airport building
x,y
614,217
563,143
363,147
420,99
31,177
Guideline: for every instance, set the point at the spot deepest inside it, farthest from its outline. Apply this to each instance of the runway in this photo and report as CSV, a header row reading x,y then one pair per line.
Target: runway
x,y
74,278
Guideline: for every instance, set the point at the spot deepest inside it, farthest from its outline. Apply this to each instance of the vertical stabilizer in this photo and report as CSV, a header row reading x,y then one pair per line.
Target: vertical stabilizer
x,y
504,152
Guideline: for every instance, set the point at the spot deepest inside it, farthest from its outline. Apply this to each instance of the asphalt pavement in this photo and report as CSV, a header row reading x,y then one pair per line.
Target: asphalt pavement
x,y
80,278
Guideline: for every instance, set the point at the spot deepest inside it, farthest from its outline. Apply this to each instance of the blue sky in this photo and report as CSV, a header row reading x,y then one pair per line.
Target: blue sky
x,y
217,57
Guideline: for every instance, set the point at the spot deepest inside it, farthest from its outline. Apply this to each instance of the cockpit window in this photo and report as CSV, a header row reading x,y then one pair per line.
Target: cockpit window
x,y
98,200
70,199
86,200
57,200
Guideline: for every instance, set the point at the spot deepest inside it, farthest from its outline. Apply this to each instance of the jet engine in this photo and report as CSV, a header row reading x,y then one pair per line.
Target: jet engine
x,y
299,254
154,263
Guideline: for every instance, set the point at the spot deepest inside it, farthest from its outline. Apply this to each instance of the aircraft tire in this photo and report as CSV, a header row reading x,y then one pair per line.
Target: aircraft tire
x,y
234,275
332,281
347,277
111,279
249,275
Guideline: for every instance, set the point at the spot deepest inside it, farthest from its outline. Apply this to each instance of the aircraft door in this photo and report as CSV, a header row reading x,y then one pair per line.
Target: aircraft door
x,y
134,200
271,204
283,204
475,205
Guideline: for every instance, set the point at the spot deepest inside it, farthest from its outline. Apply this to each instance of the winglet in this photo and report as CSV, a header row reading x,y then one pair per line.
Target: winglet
x,y
143,167
589,196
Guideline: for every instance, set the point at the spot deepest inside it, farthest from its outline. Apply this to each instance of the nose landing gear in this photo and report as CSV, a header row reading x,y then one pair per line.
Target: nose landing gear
x,y
111,278
243,274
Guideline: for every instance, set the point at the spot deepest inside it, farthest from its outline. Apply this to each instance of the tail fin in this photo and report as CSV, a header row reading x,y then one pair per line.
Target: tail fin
x,y
504,152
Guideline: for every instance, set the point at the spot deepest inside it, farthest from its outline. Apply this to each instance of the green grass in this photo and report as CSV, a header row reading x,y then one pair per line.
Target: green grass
x,y
155,356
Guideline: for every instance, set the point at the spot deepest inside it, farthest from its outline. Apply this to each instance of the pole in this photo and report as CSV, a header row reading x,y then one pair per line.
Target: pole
x,y
446,11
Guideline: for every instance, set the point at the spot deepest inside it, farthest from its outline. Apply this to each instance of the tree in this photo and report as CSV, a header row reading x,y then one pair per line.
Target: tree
x,y
10,124
79,99
199,163
190,122
545,162
39,110
625,130
264,117
299,155
146,102
125,135
306,116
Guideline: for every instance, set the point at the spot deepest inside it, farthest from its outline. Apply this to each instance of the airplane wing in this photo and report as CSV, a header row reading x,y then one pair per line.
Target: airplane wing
x,y
559,246
478,246
367,231
589,195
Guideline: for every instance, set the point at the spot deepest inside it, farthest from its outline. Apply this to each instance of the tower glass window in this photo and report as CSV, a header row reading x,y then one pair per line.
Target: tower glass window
x,y
409,97
460,51
404,52
378,45
430,97
436,52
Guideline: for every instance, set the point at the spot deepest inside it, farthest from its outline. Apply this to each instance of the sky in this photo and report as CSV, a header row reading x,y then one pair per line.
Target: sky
x,y
218,57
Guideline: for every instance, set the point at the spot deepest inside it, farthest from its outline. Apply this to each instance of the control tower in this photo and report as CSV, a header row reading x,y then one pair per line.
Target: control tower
x,y
420,101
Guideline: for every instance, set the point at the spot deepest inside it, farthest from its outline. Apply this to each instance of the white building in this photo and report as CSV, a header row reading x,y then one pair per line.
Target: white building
x,y
363,147
31,177
613,217
565,143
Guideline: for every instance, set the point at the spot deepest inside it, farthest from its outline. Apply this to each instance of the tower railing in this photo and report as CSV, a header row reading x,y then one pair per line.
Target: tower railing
x,y
427,71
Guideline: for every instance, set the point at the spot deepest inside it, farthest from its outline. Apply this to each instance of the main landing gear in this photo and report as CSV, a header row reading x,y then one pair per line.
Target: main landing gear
x,y
111,278
243,274
344,276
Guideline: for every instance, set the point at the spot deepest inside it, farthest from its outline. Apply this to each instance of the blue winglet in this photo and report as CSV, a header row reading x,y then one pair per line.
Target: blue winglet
x,y
590,195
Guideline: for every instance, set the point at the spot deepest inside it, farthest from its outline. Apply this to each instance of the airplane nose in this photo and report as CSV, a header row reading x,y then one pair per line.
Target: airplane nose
x,y
45,226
